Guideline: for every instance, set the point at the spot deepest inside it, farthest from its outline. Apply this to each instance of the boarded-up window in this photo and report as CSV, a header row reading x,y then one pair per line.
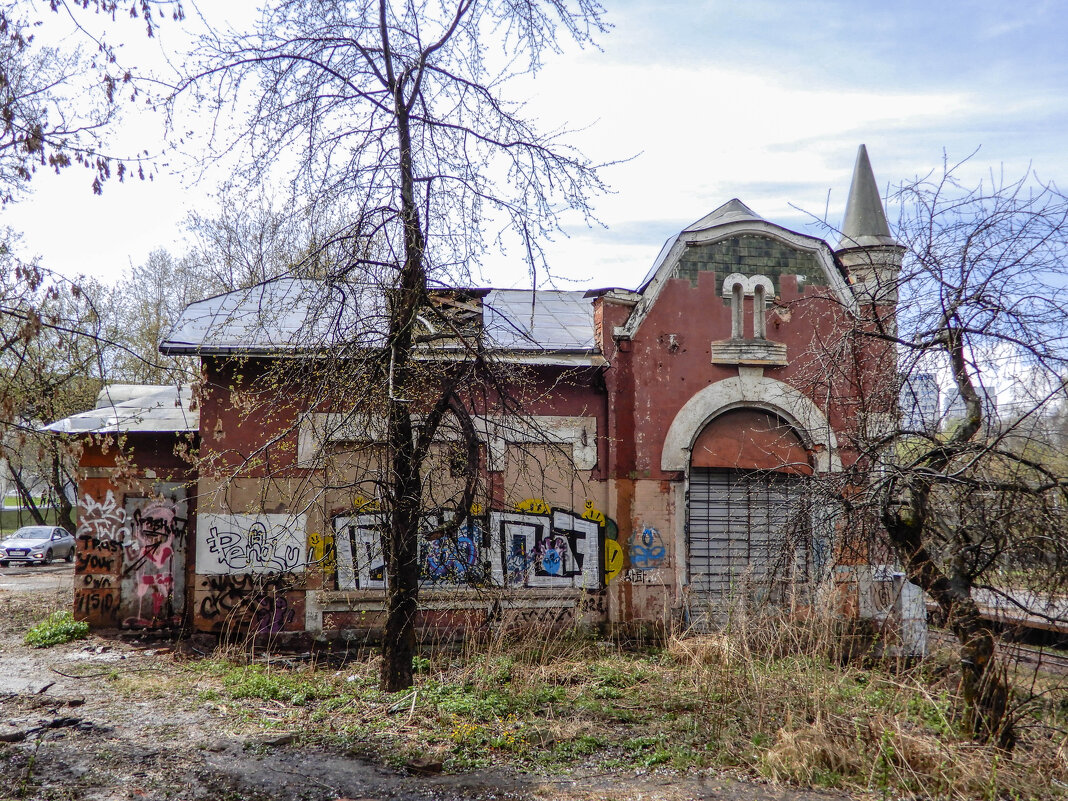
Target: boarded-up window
x,y
750,439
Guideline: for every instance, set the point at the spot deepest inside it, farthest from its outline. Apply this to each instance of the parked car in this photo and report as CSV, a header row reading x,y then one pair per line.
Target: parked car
x,y
37,544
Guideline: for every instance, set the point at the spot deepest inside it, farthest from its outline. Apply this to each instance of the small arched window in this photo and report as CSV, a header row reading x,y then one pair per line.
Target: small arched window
x,y
759,323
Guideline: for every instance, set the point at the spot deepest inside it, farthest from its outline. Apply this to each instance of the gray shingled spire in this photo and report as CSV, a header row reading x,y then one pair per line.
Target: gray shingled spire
x,y
865,221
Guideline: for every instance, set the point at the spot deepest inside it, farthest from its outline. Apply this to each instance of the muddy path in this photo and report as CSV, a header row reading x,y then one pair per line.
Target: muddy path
x,y
97,719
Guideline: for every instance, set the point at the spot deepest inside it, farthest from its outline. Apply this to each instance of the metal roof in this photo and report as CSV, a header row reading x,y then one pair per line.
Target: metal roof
x,y
299,315
156,410
544,320
278,315
114,394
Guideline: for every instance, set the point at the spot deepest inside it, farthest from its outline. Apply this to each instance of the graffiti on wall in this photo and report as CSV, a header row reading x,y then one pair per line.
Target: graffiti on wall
x,y
647,551
97,558
100,521
246,602
555,549
531,545
460,558
321,551
358,544
267,543
613,559
130,558
95,555
95,604
153,550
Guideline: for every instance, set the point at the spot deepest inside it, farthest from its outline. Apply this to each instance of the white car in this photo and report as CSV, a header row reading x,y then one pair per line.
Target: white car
x,y
37,544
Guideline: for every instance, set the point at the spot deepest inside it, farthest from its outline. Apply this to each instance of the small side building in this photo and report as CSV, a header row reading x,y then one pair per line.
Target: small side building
x,y
136,505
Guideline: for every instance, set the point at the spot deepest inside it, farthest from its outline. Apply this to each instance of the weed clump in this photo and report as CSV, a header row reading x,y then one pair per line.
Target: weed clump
x,y
56,629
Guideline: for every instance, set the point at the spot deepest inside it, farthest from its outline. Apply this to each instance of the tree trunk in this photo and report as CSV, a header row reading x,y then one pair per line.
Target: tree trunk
x,y
983,681
983,684
405,483
64,508
402,555
26,496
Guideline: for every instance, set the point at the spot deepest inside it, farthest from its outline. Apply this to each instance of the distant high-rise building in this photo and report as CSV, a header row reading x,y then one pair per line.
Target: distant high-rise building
x,y
919,402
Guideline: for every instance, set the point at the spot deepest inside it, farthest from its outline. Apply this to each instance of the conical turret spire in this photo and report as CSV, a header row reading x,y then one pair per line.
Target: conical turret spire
x,y
865,220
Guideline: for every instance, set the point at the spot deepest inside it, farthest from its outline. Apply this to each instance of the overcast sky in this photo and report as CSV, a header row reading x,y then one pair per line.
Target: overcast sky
x,y
764,100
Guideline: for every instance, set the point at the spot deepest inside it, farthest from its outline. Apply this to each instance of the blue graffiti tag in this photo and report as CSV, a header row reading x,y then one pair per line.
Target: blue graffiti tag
x,y
647,550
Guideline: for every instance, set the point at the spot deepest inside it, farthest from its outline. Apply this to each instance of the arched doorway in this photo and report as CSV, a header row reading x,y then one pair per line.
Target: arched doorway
x,y
748,515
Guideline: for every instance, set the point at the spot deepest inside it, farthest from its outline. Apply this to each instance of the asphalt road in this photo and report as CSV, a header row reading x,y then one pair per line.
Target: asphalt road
x,y
37,578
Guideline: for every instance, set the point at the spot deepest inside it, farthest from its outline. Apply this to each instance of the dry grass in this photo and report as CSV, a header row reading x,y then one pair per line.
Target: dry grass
x,y
886,727
768,696
20,610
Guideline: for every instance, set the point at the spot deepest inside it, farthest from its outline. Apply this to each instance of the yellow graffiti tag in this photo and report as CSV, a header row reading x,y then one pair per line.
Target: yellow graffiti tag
x,y
476,509
362,504
592,513
613,559
535,506
321,551
330,555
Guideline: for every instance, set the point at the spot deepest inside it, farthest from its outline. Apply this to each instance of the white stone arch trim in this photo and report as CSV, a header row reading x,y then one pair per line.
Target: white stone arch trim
x,y
749,284
758,392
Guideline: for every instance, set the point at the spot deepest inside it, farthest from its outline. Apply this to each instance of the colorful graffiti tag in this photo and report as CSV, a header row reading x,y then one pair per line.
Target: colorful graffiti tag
x,y
130,559
613,559
457,558
531,545
321,551
555,549
647,551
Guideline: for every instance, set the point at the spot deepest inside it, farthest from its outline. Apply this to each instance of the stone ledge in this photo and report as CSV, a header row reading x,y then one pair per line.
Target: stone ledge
x,y
749,351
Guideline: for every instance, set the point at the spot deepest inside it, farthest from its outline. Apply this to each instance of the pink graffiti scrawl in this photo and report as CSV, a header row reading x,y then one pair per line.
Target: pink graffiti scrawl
x,y
149,550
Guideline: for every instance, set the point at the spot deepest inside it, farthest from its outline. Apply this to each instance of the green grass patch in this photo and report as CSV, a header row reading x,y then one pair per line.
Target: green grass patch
x,y
12,519
56,629
295,688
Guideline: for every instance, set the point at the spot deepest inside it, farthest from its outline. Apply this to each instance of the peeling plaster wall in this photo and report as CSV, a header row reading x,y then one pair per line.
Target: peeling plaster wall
x,y
669,358
277,551
664,385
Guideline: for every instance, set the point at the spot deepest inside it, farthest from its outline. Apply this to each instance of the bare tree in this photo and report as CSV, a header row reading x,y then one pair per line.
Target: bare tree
x,y
254,239
973,506
50,357
59,102
391,117
141,308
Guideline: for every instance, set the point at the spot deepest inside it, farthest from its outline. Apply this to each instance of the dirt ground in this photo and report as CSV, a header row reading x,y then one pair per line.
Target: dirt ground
x,y
19,578
66,734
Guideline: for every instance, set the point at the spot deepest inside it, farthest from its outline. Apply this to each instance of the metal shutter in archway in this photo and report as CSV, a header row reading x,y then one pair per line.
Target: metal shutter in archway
x,y
747,537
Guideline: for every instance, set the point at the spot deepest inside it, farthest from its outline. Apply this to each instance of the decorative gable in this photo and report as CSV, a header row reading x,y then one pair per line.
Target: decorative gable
x,y
734,239
750,254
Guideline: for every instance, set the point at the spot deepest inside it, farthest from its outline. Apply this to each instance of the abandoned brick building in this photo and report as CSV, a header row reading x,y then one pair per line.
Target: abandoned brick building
x,y
659,469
